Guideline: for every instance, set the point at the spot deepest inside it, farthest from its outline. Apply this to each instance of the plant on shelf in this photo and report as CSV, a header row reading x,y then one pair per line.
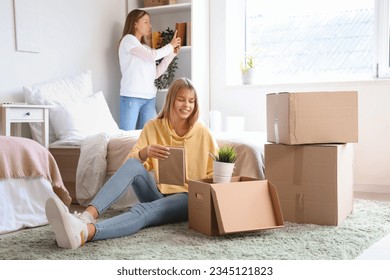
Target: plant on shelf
x,y
165,80
223,164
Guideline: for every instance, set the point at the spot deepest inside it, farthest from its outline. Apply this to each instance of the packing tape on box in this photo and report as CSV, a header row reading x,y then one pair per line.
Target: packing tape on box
x,y
276,119
299,207
298,165
276,130
297,181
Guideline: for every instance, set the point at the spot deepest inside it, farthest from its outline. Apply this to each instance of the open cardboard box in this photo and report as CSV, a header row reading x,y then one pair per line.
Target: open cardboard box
x,y
243,205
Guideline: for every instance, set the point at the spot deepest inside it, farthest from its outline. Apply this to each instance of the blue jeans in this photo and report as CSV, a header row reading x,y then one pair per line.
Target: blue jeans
x,y
135,112
154,208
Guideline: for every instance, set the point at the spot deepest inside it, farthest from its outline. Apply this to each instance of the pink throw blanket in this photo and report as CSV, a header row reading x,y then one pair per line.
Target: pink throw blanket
x,y
23,157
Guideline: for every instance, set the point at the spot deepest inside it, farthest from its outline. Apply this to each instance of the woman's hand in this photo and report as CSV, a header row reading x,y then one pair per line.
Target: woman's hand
x,y
176,50
154,151
175,42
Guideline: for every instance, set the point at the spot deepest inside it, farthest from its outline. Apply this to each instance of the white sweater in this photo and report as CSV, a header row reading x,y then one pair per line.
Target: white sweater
x,y
138,67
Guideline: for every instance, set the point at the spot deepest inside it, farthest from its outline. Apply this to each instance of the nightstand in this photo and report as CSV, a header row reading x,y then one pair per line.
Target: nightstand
x,y
24,113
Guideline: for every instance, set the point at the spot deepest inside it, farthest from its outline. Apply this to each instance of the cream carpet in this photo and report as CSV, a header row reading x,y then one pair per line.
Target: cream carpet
x,y
369,222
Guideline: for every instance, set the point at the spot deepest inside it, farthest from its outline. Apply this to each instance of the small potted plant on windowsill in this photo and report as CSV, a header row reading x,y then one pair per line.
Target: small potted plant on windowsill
x,y
247,69
223,165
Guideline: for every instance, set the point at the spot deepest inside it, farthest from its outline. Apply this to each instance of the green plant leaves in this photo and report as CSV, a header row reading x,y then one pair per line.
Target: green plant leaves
x,y
226,154
166,79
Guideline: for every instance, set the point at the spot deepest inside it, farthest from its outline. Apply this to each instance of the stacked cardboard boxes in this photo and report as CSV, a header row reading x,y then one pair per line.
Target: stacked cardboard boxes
x,y
310,157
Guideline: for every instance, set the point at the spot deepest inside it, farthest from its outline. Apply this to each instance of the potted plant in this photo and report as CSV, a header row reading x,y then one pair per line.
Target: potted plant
x,y
166,79
247,69
223,165
248,66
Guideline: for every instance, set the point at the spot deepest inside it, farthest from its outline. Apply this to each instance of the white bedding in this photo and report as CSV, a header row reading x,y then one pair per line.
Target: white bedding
x,y
93,169
90,178
28,176
22,203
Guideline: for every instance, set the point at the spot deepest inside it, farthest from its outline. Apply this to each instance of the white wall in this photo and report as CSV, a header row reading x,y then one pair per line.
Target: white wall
x,y
75,36
372,153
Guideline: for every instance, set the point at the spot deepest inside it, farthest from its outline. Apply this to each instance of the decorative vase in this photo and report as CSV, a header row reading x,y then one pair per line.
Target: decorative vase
x,y
247,76
222,172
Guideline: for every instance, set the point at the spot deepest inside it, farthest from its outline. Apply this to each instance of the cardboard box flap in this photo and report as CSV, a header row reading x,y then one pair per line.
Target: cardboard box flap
x,y
253,207
201,213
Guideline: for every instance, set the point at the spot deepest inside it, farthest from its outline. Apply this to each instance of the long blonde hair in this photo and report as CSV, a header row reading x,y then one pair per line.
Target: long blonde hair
x,y
174,89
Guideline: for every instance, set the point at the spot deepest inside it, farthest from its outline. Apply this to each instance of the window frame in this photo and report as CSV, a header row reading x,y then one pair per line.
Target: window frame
x,y
236,38
382,39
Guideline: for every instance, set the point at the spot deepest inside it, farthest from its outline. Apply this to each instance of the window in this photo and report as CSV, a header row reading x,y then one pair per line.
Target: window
x,y
382,35
314,41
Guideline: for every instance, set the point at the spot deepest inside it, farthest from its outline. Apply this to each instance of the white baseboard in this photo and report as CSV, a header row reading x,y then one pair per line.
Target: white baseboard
x,y
371,188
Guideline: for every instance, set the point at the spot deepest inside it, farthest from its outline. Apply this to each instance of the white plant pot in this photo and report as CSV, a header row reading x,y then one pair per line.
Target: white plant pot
x,y
247,76
222,172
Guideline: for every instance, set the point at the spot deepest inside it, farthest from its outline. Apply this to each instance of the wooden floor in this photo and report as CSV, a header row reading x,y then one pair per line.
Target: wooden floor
x,y
381,249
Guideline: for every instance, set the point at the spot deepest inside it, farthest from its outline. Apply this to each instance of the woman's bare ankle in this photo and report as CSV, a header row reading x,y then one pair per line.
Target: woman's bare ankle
x,y
92,211
91,231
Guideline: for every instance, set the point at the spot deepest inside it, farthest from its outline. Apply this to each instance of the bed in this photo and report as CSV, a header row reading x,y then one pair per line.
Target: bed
x,y
28,177
87,165
89,147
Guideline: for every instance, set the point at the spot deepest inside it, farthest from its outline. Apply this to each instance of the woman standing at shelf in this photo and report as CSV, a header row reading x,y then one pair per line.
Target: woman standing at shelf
x,y
138,67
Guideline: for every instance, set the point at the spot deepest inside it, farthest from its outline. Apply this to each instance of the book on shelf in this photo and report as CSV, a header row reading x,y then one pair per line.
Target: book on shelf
x,y
181,28
188,34
156,40
155,3
172,170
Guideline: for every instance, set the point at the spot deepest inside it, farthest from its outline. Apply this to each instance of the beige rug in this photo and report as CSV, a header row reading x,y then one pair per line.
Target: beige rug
x,y
369,222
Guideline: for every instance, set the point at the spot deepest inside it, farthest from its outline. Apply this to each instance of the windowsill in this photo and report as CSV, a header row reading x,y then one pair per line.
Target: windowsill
x,y
383,81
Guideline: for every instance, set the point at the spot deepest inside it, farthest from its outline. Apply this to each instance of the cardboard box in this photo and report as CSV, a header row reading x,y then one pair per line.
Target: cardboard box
x,y
245,204
312,117
314,182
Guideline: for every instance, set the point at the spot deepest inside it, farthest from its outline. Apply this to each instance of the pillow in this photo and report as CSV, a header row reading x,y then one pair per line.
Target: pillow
x,y
78,119
57,92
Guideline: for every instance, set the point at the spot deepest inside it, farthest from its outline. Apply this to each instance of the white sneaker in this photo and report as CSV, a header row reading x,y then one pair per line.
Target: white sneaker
x,y
70,231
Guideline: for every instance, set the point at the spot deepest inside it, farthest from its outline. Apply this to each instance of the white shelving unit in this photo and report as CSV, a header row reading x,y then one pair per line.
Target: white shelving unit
x,y
166,16
193,60
166,9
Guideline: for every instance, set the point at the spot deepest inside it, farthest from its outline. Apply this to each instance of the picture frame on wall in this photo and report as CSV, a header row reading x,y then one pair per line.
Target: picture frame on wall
x,y
27,26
